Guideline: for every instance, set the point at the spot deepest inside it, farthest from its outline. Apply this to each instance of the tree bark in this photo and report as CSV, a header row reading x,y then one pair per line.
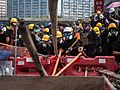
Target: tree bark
x,y
53,16
31,48
109,73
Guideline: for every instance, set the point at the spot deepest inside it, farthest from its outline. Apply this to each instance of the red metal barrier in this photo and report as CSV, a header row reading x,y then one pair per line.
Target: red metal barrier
x,y
90,65
25,65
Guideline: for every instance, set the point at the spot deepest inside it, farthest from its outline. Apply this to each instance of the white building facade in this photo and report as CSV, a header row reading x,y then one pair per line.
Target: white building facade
x,y
3,8
27,8
77,8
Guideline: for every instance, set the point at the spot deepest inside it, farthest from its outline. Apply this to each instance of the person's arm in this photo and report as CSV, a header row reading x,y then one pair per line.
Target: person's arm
x,y
7,39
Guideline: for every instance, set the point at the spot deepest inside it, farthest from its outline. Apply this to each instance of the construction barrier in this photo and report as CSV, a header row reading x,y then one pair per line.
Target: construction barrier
x,y
90,65
81,66
25,65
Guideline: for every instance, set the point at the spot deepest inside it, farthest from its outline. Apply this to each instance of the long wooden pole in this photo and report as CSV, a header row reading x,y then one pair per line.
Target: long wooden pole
x,y
77,38
109,73
31,48
70,63
108,83
72,45
57,62
53,16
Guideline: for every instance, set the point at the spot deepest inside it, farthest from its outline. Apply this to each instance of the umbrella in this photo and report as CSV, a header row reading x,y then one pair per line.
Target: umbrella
x,y
114,4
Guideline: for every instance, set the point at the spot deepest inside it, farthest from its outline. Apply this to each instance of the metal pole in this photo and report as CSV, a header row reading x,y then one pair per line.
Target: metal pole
x,y
15,48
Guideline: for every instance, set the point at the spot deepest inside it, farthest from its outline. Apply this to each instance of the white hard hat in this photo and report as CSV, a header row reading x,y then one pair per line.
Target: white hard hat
x,y
68,29
101,16
111,10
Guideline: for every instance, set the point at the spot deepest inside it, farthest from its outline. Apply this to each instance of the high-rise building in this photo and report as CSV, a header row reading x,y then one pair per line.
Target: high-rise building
x,y
76,8
27,8
39,8
3,8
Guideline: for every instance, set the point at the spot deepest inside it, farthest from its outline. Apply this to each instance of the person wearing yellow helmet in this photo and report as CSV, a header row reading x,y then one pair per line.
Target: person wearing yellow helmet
x,y
31,27
13,21
59,40
12,32
97,30
112,35
93,48
46,31
99,24
59,34
46,38
44,47
113,30
112,25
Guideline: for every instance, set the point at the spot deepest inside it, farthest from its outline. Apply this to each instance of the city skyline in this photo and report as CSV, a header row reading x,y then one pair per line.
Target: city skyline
x,y
39,8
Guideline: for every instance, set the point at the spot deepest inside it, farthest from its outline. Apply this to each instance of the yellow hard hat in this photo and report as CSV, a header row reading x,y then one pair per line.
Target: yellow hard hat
x,y
97,30
59,34
112,25
13,20
80,25
46,30
98,24
98,12
30,26
46,38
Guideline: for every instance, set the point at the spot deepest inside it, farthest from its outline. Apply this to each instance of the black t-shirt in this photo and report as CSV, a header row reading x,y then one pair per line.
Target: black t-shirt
x,y
116,47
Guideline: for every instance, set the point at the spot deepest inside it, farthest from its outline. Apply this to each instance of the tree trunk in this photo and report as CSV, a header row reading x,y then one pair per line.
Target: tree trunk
x,y
53,16
31,48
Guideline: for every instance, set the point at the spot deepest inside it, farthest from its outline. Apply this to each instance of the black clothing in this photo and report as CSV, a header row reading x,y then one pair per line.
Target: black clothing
x,y
104,43
116,47
44,48
3,38
74,49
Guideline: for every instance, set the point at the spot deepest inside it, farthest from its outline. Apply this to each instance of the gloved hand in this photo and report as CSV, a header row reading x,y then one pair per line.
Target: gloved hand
x,y
70,49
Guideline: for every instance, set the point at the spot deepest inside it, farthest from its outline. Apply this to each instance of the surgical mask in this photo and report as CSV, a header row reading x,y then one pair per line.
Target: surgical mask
x,y
36,30
44,45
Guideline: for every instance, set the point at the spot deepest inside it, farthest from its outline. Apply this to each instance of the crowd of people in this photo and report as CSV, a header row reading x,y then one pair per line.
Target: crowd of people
x,y
100,35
